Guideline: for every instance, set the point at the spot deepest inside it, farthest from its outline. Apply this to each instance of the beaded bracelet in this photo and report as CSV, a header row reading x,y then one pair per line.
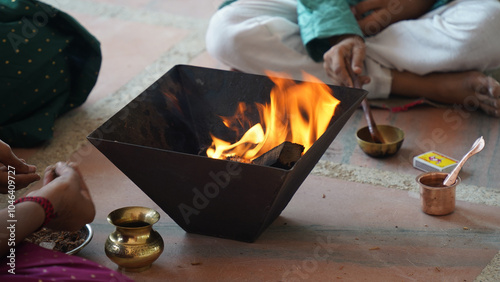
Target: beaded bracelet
x,y
46,205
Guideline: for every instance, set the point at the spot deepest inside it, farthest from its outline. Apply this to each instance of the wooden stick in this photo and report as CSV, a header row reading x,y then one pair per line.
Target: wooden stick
x,y
372,126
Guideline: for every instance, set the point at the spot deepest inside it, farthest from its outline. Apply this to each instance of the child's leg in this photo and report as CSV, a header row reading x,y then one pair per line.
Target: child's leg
x,y
442,55
257,35
470,88
462,35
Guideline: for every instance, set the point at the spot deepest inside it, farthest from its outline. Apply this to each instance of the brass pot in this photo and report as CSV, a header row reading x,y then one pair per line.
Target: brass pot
x,y
134,245
435,198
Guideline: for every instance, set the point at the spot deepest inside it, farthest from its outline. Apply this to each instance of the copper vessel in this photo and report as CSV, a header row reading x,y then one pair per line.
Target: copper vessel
x,y
436,198
134,245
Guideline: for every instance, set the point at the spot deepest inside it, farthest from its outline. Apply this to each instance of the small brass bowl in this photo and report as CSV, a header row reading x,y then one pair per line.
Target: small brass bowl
x,y
393,138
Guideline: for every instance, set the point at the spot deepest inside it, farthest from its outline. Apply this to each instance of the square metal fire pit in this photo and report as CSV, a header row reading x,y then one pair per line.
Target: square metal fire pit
x,y
157,141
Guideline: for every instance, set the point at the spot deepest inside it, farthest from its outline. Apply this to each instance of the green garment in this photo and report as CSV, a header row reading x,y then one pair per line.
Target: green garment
x,y
49,64
321,19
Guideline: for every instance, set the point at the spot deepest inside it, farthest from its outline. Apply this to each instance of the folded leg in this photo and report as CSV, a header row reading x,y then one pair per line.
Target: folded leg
x,y
258,35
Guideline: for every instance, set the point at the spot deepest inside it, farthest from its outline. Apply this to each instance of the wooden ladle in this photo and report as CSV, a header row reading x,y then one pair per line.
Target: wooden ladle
x,y
372,126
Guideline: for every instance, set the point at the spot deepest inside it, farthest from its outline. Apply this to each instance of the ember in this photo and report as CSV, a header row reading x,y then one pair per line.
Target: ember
x,y
297,113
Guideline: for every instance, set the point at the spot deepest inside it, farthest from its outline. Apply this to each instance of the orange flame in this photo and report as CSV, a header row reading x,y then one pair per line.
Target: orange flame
x,y
298,112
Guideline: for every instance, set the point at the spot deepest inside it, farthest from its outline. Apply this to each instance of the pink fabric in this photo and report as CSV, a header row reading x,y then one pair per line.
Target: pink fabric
x,y
34,263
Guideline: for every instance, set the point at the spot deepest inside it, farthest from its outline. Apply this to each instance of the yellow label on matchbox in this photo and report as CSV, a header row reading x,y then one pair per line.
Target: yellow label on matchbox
x,y
434,161
437,159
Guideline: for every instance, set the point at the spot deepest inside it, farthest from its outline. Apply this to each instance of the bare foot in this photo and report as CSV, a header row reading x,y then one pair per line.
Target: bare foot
x,y
471,88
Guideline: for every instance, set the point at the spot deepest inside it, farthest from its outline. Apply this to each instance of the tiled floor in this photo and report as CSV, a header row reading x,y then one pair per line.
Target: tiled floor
x,y
331,230
334,229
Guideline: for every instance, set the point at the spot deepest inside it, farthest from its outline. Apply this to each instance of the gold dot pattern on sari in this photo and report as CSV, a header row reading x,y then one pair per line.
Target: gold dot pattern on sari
x,y
48,67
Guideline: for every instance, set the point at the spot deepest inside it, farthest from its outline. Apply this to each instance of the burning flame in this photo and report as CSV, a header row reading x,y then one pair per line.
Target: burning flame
x,y
298,113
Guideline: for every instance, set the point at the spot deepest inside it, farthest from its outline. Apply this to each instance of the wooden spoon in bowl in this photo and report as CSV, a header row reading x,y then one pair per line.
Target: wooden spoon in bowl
x,y
372,126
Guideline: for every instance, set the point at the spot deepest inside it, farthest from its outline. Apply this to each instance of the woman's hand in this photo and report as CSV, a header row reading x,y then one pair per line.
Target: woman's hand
x,y
11,165
65,189
375,15
345,60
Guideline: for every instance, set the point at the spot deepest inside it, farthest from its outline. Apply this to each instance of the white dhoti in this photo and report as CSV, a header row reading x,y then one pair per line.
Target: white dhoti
x,y
258,35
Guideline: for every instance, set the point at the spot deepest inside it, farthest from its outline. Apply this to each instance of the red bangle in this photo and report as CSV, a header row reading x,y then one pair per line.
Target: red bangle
x,y
46,205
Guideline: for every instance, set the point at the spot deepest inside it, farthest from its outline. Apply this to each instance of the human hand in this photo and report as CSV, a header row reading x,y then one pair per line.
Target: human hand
x,y
382,13
11,165
65,189
344,61
488,96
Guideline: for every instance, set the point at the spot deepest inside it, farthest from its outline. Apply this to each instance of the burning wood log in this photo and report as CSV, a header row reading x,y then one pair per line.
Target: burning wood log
x,y
238,159
283,156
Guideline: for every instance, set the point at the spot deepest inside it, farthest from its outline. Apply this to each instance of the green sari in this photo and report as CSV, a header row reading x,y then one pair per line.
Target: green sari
x,y
49,64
